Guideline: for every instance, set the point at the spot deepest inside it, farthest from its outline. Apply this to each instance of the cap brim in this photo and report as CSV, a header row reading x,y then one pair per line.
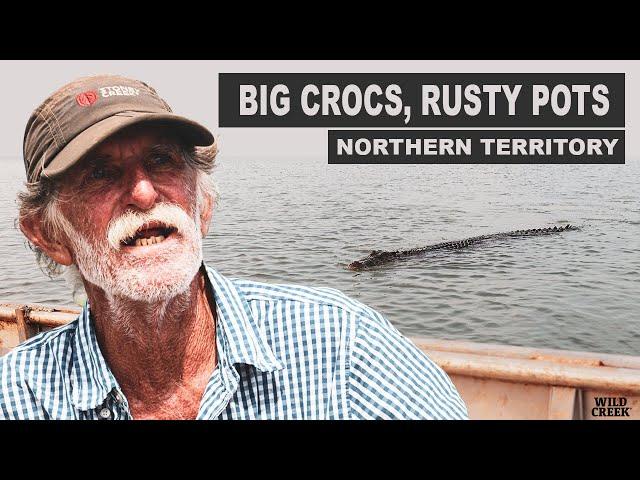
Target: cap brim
x,y
192,132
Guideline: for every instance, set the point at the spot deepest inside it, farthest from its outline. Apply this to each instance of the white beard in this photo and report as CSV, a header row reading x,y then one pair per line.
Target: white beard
x,y
145,278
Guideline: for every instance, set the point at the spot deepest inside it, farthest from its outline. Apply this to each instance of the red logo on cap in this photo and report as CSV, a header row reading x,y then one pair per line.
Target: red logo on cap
x,y
86,99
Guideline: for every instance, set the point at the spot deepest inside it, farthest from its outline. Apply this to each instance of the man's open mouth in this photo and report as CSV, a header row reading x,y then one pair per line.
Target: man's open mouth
x,y
149,235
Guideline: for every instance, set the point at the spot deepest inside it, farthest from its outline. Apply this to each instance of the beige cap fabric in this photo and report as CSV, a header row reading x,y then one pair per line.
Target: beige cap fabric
x,y
83,113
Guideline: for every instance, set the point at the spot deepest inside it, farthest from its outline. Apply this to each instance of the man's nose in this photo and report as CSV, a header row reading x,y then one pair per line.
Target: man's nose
x,y
143,194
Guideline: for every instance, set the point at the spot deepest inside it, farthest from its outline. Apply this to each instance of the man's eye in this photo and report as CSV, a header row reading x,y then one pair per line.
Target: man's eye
x,y
99,173
102,173
159,160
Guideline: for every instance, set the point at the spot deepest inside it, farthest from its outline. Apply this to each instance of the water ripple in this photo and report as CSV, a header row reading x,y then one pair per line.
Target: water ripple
x,y
302,221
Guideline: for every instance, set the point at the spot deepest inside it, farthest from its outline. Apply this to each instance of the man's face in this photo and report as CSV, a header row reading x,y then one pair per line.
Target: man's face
x,y
135,216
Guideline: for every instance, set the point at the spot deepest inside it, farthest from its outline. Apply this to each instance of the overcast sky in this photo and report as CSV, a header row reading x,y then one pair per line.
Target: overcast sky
x,y
190,87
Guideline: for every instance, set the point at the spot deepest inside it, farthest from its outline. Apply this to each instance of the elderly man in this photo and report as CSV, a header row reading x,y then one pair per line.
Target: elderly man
x,y
119,191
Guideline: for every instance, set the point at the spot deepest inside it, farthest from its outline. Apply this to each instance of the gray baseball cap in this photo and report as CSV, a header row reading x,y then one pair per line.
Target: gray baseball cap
x,y
81,114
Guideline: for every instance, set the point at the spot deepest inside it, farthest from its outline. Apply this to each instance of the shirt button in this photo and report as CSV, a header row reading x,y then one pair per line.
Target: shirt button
x,y
105,413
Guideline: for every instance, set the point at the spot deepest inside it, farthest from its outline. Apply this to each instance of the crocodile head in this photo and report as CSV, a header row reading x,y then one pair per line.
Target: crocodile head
x,y
356,266
375,258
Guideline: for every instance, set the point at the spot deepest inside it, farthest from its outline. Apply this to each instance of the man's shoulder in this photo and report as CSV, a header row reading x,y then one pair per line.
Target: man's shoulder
x,y
32,370
320,296
54,340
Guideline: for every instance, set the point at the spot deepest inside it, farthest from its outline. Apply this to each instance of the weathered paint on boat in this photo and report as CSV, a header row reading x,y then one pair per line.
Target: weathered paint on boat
x,y
495,381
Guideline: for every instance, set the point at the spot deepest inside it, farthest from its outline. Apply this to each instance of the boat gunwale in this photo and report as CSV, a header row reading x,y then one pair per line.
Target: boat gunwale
x,y
543,366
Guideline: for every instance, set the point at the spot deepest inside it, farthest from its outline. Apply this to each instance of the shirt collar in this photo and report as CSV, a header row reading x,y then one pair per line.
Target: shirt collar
x,y
241,340
91,378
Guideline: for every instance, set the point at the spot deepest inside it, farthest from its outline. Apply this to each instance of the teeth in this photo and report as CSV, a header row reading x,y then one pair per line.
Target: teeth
x,y
149,241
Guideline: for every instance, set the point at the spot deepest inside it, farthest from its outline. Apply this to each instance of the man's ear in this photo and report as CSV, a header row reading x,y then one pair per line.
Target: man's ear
x,y
33,229
205,215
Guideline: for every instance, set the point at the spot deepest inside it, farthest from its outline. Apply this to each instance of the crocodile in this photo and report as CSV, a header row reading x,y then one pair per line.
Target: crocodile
x,y
381,257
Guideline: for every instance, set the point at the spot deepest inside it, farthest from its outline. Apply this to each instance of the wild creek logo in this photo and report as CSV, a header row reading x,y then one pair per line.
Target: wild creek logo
x,y
610,407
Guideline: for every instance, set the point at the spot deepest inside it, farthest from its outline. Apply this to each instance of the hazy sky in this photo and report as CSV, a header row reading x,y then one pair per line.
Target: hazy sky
x,y
191,88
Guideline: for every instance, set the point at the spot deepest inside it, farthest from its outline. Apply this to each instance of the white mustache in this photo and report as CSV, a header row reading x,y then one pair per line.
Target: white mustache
x,y
125,227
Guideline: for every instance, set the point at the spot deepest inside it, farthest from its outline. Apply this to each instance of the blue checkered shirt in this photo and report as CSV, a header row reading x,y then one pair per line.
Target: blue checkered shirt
x,y
284,352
